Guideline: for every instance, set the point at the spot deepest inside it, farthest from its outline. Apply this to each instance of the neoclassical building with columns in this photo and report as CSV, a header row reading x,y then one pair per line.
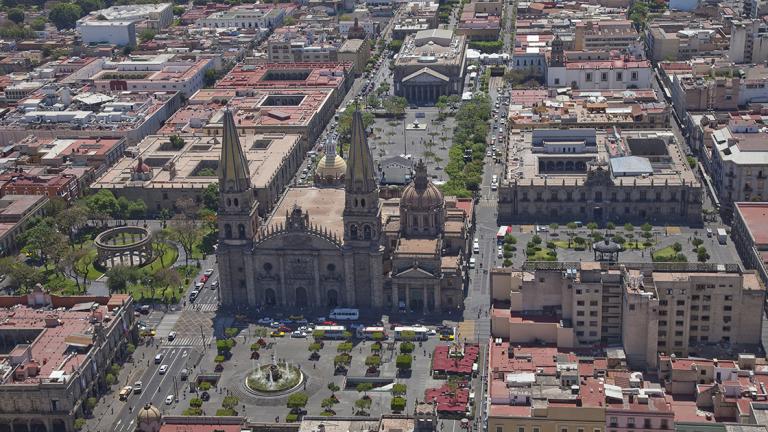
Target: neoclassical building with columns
x,y
326,245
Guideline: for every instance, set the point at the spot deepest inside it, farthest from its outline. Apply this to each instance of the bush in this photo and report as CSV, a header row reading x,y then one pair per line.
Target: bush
x,y
536,239
193,412
297,400
255,346
507,263
292,418
195,402
79,423
407,347
110,379
619,239
373,361
219,359
225,412
551,245
677,247
510,239
399,389
397,404
204,386
344,347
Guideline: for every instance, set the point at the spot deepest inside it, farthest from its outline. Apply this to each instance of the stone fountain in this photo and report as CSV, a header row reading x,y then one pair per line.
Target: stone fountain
x,y
274,379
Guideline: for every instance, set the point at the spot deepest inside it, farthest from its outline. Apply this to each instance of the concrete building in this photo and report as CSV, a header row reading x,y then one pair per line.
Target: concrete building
x,y
292,44
185,173
625,109
430,64
64,113
59,349
750,236
94,152
584,174
480,21
357,52
17,182
749,41
738,163
605,35
673,40
118,25
158,73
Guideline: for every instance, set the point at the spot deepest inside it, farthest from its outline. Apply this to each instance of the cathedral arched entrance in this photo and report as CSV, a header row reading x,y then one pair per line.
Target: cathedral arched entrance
x,y
332,297
301,297
269,297
417,302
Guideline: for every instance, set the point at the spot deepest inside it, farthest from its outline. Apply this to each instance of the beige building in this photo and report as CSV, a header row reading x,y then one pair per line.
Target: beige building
x,y
646,308
589,175
357,52
605,35
750,236
430,64
160,175
674,40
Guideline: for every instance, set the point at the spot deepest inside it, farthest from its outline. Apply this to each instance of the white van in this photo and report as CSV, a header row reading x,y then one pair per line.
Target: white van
x,y
472,262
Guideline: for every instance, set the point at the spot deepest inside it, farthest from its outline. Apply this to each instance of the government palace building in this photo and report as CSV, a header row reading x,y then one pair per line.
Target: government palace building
x,y
338,243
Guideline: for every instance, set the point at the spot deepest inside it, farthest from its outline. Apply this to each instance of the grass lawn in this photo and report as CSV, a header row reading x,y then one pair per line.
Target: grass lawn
x,y
666,254
141,292
542,255
169,259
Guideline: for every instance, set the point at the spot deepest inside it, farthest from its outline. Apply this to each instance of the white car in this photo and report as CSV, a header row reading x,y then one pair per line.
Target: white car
x,y
476,247
163,369
171,336
472,262
169,399
265,320
208,272
500,253
298,334
275,324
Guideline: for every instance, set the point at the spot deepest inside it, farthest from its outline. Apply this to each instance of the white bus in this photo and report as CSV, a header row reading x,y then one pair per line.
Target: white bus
x,y
420,333
342,314
332,332
368,332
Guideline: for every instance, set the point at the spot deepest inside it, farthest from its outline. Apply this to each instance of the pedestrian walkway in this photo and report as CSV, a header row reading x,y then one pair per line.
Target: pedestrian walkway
x,y
202,307
188,341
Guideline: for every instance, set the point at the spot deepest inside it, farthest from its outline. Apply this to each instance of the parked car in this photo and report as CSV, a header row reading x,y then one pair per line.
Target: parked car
x,y
265,320
208,272
298,334
205,396
277,333
171,336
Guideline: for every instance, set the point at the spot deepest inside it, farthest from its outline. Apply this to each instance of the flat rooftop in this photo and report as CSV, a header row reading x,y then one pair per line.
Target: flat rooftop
x,y
285,75
430,47
196,164
755,217
325,207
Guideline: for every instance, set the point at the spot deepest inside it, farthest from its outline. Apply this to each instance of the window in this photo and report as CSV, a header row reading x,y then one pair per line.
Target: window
x,y
521,429
589,77
634,76
630,422
647,423
499,429
726,328
604,76
614,421
681,302
580,303
619,76
557,81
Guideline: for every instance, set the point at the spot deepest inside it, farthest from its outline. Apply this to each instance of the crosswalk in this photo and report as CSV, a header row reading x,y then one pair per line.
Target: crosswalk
x,y
189,341
486,203
201,307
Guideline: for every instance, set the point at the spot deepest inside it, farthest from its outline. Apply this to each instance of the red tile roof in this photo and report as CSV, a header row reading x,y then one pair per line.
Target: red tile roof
x,y
448,400
442,362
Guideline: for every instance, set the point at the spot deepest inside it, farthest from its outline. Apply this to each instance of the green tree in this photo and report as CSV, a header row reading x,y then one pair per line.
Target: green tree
x,y
211,196
187,233
130,348
395,105
177,142
78,262
399,389
344,347
363,404
65,15
16,15
71,219
397,404
289,21
79,423
90,403
333,387
364,387
677,247
38,24
179,10
373,361
119,276
88,6
230,402
110,379
403,361
210,77
195,402
165,279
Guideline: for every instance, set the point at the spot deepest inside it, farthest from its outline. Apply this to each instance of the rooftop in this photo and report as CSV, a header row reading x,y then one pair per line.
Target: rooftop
x,y
755,215
285,75
325,207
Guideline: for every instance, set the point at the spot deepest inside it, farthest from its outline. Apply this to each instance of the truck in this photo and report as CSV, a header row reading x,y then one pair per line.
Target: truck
x,y
722,236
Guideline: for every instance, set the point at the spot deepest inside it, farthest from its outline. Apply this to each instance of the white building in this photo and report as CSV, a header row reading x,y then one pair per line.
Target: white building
x,y
117,25
601,74
111,32
244,18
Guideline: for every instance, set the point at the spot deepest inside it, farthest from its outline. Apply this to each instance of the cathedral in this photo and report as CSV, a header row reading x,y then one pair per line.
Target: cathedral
x,y
337,244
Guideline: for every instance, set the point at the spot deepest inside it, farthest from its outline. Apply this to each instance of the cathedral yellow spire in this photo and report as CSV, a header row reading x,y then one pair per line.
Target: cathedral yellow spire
x,y
234,175
361,176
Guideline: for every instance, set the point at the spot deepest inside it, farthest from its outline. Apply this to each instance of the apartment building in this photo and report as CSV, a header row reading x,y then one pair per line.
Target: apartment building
x,y
596,71
293,45
644,308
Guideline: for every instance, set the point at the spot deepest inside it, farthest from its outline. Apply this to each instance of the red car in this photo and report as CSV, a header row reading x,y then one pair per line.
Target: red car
x,y
284,329
203,278
329,323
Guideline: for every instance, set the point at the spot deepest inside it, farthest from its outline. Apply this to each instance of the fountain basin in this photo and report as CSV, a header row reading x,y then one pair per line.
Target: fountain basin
x,y
274,379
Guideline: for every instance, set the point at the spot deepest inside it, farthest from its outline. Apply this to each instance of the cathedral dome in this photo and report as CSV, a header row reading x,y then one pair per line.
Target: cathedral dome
x,y
421,194
148,414
331,167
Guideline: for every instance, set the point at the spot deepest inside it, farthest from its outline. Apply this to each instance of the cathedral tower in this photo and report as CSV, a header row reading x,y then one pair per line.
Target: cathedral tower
x,y
363,253
237,217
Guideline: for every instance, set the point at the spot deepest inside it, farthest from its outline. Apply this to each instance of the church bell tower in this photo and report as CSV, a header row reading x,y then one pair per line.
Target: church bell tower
x,y
363,252
237,215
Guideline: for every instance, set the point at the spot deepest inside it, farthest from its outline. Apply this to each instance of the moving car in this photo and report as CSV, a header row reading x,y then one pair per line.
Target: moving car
x,y
208,272
163,369
137,387
125,392
169,399
298,334
171,336
277,333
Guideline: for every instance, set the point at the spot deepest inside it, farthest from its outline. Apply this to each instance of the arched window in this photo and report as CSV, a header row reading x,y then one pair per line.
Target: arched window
x,y
229,202
367,232
228,231
362,202
241,231
355,202
237,202
353,232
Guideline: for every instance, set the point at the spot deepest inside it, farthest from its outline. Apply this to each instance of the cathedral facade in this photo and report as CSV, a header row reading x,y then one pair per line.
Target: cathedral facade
x,y
296,263
357,257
